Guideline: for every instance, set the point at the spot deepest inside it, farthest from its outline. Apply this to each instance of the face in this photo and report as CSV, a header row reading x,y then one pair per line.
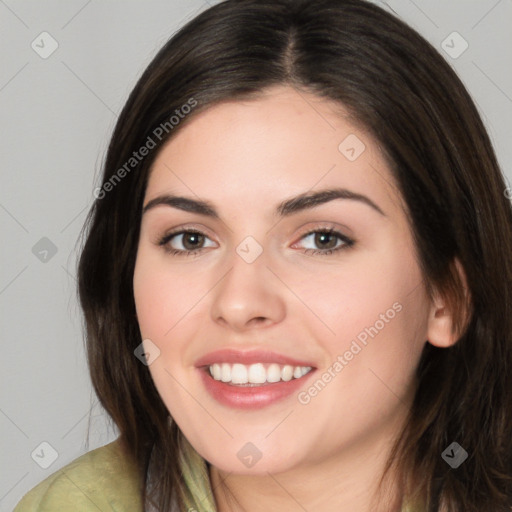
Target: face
x,y
320,305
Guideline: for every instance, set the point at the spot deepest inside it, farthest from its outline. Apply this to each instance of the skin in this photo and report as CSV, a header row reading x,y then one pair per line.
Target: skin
x,y
245,158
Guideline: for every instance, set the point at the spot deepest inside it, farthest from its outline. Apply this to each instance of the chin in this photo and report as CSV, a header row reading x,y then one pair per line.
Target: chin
x,y
252,459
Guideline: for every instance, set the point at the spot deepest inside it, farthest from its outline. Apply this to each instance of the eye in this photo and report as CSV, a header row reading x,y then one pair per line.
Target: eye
x,y
329,240
191,240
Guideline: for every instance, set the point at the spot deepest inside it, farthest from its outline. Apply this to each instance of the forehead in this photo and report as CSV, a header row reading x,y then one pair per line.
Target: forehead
x,y
282,144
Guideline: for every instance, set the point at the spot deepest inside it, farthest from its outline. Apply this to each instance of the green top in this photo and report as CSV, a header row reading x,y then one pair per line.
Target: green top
x,y
102,479
105,479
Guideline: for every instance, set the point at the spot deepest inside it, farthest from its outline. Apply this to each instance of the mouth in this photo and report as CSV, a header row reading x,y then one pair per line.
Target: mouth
x,y
252,380
257,374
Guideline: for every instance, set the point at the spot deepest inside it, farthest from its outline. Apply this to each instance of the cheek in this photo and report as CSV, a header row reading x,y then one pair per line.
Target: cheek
x,y
162,295
161,301
152,305
364,290
376,312
391,337
168,313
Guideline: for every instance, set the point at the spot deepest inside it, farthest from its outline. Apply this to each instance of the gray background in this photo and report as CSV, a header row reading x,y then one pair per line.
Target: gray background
x,y
57,114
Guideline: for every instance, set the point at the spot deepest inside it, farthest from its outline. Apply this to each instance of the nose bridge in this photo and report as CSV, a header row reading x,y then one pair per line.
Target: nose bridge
x,y
247,290
247,269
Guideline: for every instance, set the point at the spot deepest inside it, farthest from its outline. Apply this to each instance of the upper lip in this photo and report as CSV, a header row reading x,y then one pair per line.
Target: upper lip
x,y
229,355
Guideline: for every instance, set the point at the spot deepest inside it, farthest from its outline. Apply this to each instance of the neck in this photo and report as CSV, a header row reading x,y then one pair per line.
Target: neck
x,y
348,480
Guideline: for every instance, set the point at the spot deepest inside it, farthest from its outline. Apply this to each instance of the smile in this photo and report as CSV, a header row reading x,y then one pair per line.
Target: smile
x,y
256,374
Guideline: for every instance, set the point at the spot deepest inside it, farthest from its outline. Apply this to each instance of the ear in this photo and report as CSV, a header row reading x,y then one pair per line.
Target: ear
x,y
442,330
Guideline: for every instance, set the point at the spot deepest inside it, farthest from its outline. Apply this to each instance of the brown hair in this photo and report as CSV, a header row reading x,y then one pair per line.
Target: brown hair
x,y
397,85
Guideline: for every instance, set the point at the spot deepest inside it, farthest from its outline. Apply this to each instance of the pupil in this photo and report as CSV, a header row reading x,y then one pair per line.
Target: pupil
x,y
321,237
191,235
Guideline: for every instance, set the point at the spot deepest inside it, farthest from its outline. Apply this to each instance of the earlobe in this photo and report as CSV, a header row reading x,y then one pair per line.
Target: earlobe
x,y
442,329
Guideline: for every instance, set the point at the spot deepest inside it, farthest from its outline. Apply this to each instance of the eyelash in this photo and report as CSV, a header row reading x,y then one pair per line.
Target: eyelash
x,y
347,242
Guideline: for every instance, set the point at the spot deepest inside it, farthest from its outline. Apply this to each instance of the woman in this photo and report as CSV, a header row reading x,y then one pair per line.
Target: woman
x,y
247,365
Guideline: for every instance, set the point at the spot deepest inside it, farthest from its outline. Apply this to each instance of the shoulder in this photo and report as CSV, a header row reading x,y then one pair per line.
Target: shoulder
x,y
102,479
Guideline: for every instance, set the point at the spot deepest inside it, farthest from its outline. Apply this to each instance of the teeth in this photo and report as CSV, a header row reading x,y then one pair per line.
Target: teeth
x,y
256,373
225,372
216,371
287,373
274,373
239,374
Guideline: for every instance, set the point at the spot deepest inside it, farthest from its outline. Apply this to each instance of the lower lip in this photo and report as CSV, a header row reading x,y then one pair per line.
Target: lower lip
x,y
251,397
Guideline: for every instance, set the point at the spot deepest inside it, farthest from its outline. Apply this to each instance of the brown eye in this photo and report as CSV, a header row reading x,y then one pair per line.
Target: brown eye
x,y
191,241
328,241
325,240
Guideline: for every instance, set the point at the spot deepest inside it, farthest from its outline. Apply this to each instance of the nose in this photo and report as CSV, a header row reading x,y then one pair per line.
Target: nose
x,y
248,296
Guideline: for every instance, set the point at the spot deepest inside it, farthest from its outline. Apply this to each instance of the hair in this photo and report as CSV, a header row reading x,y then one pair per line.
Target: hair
x,y
402,91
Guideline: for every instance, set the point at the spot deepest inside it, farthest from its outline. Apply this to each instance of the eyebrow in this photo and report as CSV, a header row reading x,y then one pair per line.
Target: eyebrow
x,y
284,209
